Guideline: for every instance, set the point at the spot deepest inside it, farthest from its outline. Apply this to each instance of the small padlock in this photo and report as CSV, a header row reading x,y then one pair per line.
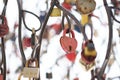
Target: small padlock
x,y
55,12
4,29
30,71
1,74
88,54
49,75
69,44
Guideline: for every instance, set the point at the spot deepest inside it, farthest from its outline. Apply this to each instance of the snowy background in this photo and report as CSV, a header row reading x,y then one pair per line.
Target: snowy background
x,y
50,47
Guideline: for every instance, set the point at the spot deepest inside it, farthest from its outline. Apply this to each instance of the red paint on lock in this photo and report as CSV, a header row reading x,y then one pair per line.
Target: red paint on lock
x,y
68,44
26,42
71,56
1,77
3,27
66,5
76,78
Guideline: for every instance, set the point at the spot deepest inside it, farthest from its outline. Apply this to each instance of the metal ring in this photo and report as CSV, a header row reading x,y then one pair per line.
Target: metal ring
x,y
25,23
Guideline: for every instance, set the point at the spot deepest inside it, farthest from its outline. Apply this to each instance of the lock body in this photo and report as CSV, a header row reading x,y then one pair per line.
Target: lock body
x,y
31,72
69,44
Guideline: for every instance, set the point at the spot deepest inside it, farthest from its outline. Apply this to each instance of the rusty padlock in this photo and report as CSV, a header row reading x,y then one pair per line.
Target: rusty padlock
x,y
85,6
29,71
69,44
4,29
1,74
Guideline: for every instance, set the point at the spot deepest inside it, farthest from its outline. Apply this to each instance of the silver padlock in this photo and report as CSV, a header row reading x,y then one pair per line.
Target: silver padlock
x,y
30,71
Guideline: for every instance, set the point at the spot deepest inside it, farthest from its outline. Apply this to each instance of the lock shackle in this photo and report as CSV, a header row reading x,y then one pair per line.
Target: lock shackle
x,y
31,61
71,31
91,30
68,20
24,22
4,20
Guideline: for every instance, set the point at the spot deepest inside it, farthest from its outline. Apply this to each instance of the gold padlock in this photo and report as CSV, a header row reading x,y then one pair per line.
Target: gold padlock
x,y
30,71
84,19
55,12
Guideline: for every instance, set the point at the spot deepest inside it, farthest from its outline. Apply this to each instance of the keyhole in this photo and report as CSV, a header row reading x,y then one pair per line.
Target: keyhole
x,y
70,48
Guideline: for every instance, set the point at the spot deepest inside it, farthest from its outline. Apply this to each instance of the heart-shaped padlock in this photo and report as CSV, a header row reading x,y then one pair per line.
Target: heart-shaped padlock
x,y
88,53
69,44
71,56
4,29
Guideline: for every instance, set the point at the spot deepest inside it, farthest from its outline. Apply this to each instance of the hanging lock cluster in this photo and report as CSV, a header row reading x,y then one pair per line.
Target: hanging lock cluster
x,y
4,29
69,45
88,54
29,71
85,6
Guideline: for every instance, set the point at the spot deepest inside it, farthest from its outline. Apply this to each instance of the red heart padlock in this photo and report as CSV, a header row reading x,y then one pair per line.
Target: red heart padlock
x,y
71,56
3,27
68,44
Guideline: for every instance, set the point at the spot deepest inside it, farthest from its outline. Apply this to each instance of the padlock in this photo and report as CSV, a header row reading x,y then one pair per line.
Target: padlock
x,y
49,75
1,74
88,54
85,6
84,19
71,56
69,44
4,29
55,12
30,71
76,78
